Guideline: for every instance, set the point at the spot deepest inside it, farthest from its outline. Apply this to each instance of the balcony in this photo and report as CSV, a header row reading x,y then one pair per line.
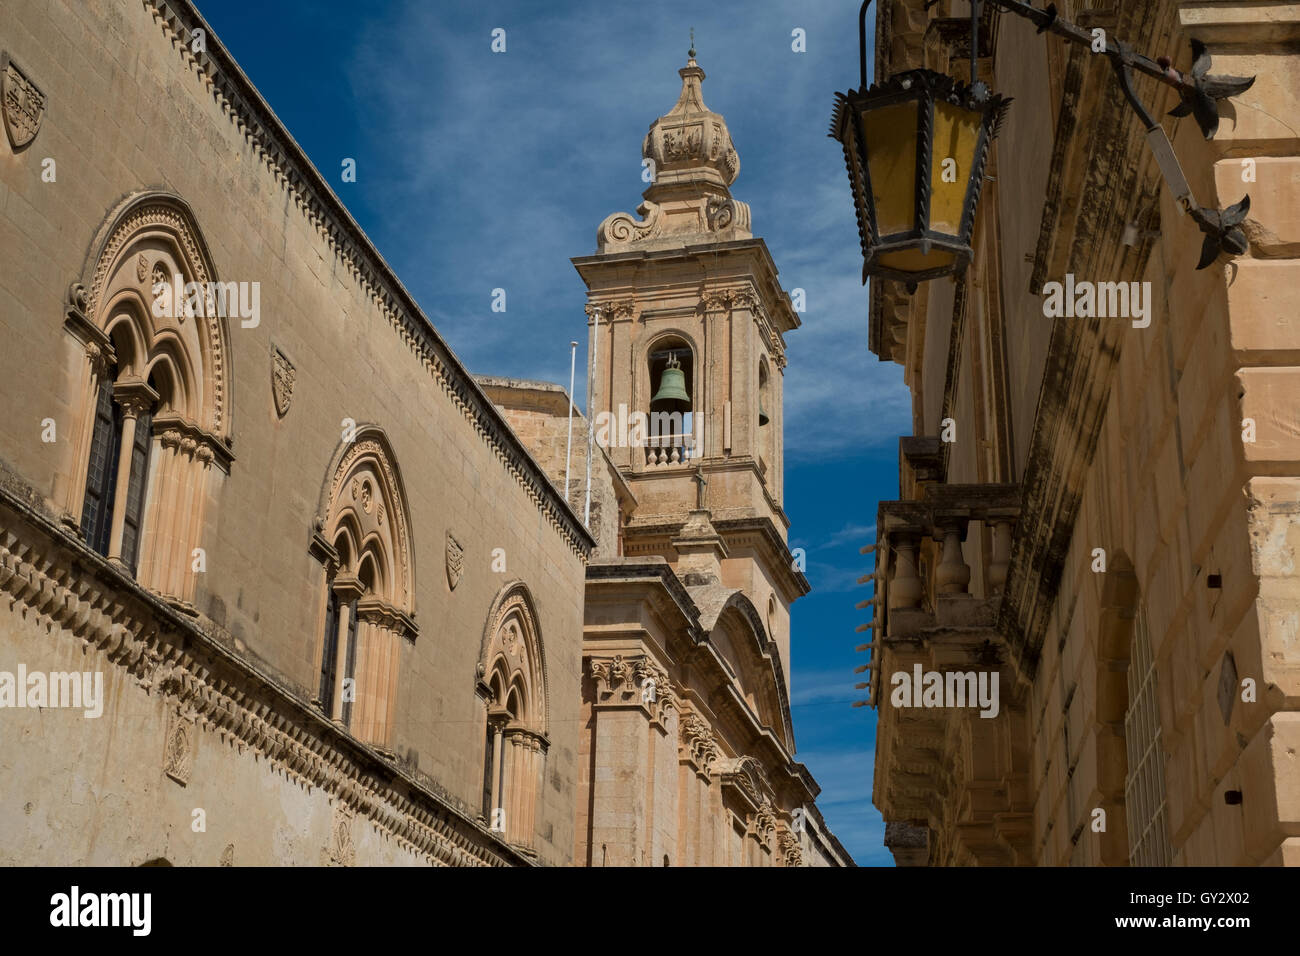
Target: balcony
x,y
941,566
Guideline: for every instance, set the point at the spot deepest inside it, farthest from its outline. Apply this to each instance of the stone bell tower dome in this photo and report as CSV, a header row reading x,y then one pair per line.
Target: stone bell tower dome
x,y
691,161
691,143
686,324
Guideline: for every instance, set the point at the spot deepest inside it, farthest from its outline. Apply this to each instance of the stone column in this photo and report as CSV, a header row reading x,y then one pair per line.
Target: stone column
x,y
178,517
498,725
200,470
135,397
154,543
347,589
379,631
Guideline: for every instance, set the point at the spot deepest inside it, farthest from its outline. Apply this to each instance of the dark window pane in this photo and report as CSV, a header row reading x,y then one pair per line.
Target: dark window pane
x,y
351,670
135,492
487,777
329,655
101,474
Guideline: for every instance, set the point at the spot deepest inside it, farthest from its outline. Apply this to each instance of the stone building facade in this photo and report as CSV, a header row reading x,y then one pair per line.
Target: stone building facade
x,y
330,582
1102,513
686,740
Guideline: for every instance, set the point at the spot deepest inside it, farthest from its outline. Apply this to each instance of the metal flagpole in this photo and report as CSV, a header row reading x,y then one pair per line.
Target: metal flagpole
x,y
568,448
591,418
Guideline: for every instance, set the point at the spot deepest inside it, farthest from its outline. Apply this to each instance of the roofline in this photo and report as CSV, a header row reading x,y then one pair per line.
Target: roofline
x,y
248,108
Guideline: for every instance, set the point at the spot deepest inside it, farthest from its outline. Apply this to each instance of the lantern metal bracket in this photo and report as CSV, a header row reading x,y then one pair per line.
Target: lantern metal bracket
x,y
1199,95
1222,227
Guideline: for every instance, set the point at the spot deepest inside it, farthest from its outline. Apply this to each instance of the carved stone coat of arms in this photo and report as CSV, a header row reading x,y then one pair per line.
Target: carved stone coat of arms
x,y
282,375
21,102
455,561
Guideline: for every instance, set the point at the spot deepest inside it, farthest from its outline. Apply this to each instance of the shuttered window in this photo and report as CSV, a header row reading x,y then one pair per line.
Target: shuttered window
x,y
487,775
101,475
351,664
329,656
135,490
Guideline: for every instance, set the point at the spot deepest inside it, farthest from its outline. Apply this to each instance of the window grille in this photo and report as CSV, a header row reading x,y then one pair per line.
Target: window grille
x,y
1145,799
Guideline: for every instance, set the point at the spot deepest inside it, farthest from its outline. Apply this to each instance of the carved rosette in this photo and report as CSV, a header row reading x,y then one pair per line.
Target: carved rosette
x,y
21,102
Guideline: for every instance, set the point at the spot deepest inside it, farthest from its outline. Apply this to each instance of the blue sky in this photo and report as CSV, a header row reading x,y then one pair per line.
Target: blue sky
x,y
478,170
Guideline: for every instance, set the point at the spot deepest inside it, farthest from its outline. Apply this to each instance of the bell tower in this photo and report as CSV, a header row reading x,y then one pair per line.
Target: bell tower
x,y
687,320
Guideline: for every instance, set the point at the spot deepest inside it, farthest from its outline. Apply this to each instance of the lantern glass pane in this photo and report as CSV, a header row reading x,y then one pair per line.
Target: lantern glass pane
x,y
956,136
890,132
911,260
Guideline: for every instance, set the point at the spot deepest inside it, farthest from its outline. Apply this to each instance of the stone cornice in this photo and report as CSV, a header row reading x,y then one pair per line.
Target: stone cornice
x,y
766,279
780,558
78,595
1115,172
314,199
655,573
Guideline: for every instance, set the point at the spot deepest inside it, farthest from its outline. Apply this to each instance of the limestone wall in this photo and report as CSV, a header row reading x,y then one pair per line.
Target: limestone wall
x,y
128,108
1169,452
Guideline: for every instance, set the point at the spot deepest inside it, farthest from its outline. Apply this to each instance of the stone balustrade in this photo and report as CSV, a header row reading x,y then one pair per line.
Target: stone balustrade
x,y
932,532
667,451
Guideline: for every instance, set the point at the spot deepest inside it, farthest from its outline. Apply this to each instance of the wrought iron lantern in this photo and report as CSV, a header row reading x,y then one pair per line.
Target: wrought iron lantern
x,y
915,146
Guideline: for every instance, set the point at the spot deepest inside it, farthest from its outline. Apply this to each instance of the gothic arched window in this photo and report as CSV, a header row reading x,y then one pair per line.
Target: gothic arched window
x,y
367,596
512,685
152,397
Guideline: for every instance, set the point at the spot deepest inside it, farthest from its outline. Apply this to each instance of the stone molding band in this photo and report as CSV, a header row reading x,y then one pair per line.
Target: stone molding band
x,y
50,574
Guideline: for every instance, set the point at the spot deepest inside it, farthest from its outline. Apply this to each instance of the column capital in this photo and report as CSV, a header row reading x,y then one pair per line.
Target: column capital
x,y
135,396
347,587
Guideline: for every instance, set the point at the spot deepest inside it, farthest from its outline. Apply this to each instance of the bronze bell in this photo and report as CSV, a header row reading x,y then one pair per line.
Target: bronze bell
x,y
672,396
762,415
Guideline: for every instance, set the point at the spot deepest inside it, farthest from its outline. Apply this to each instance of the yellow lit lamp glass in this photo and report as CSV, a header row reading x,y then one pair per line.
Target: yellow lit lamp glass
x,y
916,146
